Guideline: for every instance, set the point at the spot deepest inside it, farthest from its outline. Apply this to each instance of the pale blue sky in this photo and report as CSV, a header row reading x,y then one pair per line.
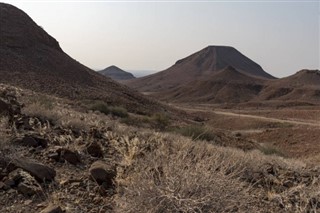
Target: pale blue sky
x,y
283,37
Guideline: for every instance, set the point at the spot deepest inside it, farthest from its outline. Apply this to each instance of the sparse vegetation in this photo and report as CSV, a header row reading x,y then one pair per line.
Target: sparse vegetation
x,y
268,149
196,132
101,107
41,111
119,112
160,121
42,100
161,171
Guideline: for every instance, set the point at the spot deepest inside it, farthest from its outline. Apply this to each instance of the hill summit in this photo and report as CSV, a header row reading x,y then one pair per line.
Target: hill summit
x,y
215,58
116,73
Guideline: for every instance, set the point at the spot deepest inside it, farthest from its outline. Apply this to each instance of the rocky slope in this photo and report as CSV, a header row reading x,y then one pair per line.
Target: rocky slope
x,y
303,85
116,73
31,58
227,85
57,159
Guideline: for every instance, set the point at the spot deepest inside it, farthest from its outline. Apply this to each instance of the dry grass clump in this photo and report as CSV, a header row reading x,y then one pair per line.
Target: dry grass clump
x,y
173,174
197,132
5,131
158,121
38,110
268,149
169,181
62,114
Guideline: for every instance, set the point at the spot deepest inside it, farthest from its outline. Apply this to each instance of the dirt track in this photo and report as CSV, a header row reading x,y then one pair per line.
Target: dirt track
x,y
267,119
315,123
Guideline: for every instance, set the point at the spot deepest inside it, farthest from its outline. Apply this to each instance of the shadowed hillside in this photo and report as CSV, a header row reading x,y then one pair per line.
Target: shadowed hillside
x,y
304,86
31,58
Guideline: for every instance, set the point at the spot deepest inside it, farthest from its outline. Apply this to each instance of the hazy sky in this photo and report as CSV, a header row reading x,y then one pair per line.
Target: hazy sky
x,y
283,37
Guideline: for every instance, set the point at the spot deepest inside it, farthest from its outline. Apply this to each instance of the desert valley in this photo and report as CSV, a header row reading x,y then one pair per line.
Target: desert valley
x,y
214,132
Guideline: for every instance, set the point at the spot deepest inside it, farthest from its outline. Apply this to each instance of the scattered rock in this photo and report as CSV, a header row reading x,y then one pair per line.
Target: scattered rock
x,y
52,209
68,155
95,133
23,122
39,171
4,108
95,150
32,141
23,182
103,174
2,185
55,156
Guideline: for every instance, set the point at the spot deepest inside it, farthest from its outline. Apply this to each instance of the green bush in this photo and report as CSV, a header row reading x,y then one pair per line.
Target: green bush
x,y
119,112
268,149
101,107
160,121
105,109
196,133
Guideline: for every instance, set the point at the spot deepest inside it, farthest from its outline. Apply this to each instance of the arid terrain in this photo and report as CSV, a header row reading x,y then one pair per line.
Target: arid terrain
x,y
213,133
292,131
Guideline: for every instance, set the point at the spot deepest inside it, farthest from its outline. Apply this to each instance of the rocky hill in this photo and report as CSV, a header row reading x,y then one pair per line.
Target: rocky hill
x,y
227,85
303,85
196,66
116,73
31,58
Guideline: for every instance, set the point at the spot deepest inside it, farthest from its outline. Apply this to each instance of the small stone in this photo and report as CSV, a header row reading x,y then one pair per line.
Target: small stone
x,y
69,156
39,171
52,209
103,174
32,141
27,202
24,183
55,156
2,185
5,108
95,150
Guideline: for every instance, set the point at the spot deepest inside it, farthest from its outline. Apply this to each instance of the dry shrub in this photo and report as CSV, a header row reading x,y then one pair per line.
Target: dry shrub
x,y
100,106
38,110
5,131
181,177
197,132
173,174
268,149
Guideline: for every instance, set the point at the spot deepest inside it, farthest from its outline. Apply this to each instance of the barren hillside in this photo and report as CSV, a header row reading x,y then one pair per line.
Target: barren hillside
x,y
303,86
31,58
227,85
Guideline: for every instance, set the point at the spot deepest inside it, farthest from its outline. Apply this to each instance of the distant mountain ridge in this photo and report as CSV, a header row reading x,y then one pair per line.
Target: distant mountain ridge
x,y
116,73
220,74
